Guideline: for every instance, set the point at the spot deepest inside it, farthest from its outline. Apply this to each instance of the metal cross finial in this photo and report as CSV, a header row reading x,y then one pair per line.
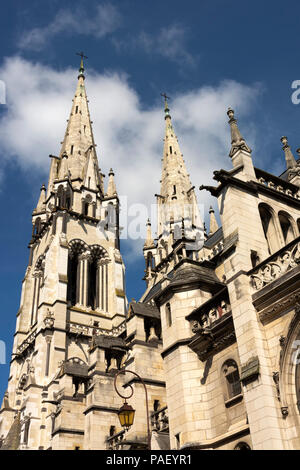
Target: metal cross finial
x,y
81,54
165,96
166,104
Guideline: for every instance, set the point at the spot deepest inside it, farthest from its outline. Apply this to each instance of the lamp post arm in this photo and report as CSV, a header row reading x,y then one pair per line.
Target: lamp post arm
x,y
123,371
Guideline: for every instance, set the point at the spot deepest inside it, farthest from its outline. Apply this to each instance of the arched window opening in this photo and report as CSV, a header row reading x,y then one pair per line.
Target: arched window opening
x,y
37,226
232,378
286,227
60,196
85,208
73,281
150,261
269,228
168,314
92,289
171,150
68,199
242,446
26,431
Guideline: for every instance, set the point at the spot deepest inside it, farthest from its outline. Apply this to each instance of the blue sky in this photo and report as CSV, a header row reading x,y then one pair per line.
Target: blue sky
x,y
207,55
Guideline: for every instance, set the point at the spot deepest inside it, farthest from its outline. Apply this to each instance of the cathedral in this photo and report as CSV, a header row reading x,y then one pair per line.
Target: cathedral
x,y
208,357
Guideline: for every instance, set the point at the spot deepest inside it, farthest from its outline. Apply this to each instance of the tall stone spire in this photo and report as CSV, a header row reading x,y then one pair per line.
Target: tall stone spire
x,y
237,140
78,139
289,157
177,199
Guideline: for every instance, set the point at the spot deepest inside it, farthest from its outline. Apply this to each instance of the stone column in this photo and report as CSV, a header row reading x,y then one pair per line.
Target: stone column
x,y
48,342
105,287
80,279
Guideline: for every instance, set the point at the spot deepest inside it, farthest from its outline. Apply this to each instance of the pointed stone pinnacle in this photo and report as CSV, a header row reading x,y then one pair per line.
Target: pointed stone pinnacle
x,y
213,224
149,242
237,141
111,189
289,157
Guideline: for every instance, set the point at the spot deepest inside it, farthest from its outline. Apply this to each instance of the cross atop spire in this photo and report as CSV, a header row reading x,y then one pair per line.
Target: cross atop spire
x,y
167,114
81,68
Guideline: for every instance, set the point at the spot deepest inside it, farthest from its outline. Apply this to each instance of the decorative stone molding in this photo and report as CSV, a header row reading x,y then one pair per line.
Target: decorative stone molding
x,y
276,265
26,343
91,330
49,319
211,339
250,370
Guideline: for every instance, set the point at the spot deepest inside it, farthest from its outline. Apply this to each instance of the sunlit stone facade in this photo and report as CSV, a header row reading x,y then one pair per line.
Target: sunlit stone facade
x,y
214,337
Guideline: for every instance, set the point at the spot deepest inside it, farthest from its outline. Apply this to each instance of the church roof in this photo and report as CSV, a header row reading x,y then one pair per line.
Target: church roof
x,y
144,309
12,440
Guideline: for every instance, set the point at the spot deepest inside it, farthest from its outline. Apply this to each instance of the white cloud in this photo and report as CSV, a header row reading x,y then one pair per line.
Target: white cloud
x,y
169,42
104,20
129,137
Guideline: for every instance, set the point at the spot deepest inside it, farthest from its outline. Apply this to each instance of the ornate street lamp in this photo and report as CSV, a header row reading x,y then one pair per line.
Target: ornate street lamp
x,y
126,415
126,412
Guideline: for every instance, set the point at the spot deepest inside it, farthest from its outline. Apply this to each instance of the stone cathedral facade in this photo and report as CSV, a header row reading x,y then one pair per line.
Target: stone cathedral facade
x,y
215,335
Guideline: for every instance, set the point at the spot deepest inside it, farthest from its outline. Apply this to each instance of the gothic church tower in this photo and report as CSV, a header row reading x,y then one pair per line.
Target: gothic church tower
x,y
73,289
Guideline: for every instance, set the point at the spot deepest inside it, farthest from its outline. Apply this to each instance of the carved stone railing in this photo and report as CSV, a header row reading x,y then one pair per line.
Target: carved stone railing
x,y
204,316
160,420
276,265
274,182
90,330
116,441
27,342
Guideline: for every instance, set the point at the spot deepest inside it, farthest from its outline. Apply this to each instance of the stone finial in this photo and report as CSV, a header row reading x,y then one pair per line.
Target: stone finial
x,y
213,224
111,189
289,157
149,242
42,199
237,141
63,171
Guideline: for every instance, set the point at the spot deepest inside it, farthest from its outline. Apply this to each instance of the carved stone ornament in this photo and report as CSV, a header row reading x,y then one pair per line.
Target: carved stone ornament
x,y
49,319
275,268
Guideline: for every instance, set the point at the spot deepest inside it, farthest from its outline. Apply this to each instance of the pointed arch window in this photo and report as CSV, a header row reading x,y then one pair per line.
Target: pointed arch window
x,y
73,278
37,226
286,227
232,379
268,223
68,198
168,314
60,196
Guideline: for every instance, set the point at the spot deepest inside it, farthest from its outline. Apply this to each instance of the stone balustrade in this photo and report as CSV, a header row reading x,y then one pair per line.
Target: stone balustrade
x,y
115,442
160,420
91,330
280,186
276,265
